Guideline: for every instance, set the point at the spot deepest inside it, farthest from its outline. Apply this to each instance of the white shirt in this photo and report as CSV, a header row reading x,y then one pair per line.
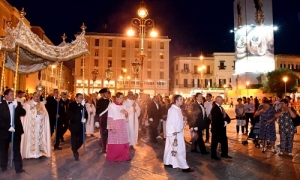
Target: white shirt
x,y
208,107
21,100
202,108
156,105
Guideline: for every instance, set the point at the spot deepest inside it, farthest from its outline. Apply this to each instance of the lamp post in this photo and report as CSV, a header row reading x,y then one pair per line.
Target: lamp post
x,y
201,67
108,73
94,77
247,86
285,80
142,24
123,77
136,69
200,70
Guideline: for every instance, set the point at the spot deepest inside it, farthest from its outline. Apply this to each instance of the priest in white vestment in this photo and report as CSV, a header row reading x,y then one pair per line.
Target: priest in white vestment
x,y
175,155
36,140
132,123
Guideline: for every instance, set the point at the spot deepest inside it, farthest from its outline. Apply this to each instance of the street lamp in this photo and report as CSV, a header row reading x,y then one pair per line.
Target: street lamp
x,y
285,80
200,70
142,25
247,86
108,73
94,77
123,77
136,69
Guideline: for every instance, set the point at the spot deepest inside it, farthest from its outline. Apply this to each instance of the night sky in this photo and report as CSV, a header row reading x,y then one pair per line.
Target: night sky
x,y
194,26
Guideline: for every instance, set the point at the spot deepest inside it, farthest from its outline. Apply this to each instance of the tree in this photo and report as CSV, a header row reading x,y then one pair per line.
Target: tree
x,y
275,83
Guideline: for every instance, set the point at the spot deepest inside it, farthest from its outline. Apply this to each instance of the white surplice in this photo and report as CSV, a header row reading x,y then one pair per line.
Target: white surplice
x,y
132,121
89,127
175,124
36,140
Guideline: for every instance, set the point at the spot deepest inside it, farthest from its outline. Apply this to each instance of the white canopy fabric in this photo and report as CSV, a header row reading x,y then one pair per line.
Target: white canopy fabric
x,y
35,53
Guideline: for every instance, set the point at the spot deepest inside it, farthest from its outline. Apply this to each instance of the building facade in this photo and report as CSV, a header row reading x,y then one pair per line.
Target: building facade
x,y
204,74
29,82
291,62
118,52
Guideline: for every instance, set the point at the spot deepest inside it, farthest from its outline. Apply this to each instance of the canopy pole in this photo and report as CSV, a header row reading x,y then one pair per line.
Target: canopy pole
x,y
60,74
83,65
17,68
46,84
3,71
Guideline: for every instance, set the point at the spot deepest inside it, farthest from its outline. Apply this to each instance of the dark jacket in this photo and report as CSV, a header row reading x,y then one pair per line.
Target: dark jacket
x,y
101,107
76,116
154,113
217,125
196,116
5,120
51,107
64,109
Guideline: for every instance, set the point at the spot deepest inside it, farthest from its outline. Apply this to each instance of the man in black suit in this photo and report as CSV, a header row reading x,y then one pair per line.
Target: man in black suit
x,y
51,106
76,123
101,115
199,123
6,109
218,129
154,115
64,114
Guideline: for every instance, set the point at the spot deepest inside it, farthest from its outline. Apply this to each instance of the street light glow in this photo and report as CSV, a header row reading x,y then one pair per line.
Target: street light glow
x,y
201,57
247,83
285,79
142,12
153,33
130,32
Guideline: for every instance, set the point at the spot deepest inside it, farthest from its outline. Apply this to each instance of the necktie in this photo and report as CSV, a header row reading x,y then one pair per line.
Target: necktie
x,y
9,103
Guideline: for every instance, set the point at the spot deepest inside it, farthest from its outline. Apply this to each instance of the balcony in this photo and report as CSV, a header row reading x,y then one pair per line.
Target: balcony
x,y
184,85
185,71
209,73
222,67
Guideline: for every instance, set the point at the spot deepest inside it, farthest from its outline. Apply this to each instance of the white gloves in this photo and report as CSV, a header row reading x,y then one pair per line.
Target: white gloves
x,y
15,103
97,124
225,123
11,129
150,119
83,120
83,102
195,128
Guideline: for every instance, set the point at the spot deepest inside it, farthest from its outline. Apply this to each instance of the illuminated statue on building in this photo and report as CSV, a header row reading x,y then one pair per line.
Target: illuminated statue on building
x,y
254,40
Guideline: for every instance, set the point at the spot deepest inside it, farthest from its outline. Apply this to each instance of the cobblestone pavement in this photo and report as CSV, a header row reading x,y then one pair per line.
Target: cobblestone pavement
x,y
248,163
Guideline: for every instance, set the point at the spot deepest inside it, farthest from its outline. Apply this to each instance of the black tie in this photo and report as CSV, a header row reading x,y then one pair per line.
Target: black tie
x,y
9,102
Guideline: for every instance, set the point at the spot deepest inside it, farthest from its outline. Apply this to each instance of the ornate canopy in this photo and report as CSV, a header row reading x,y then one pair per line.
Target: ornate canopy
x,y
35,54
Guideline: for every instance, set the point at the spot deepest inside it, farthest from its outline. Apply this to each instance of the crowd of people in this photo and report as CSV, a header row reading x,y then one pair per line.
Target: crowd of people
x,y
33,119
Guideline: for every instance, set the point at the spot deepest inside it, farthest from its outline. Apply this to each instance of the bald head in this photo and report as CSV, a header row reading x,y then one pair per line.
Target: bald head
x,y
219,100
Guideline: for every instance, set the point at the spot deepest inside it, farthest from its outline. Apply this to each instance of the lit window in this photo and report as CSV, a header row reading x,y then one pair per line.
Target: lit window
x,y
161,55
